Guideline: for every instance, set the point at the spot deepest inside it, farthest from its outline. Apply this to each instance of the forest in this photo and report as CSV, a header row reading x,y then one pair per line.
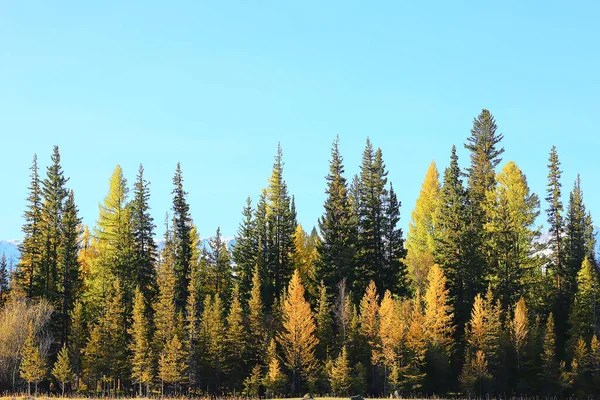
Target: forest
x,y
468,302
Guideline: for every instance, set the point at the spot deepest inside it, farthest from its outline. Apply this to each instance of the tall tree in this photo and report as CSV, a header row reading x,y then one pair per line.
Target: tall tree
x,y
219,267
281,224
337,226
394,274
483,145
421,243
29,276
584,315
554,213
305,259
142,229
511,211
245,250
4,288
69,287
182,239
54,194
298,337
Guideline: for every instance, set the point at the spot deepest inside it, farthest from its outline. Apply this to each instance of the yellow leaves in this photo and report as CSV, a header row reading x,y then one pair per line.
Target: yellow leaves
x,y
369,307
519,327
391,331
438,313
298,337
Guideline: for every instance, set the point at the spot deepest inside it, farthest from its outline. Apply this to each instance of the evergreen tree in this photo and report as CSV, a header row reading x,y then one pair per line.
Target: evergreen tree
x,y
394,274
340,375
256,324
298,337
452,239
485,156
31,248
142,229
54,194
62,369
337,227
549,372
4,289
78,336
213,322
324,324
245,250
219,262
182,240
281,224
70,285
511,213
554,213
421,240
33,365
164,305
141,357
372,220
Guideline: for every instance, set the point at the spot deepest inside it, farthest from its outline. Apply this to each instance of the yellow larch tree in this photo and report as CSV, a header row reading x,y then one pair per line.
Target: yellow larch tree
x,y
420,243
438,312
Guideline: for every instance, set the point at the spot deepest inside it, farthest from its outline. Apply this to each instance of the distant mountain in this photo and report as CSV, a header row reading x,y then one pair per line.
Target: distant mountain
x,y
10,248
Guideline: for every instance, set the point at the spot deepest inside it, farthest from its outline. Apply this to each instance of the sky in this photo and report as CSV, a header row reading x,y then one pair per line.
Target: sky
x,y
216,85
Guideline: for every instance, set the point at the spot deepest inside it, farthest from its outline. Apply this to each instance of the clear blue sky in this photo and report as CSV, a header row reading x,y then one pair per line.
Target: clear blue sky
x,y
215,85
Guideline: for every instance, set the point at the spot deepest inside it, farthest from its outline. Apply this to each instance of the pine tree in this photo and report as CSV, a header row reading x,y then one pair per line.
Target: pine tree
x,y
324,324
453,239
485,156
182,240
554,213
219,263
340,375
245,250
281,224
394,274
54,194
511,213
583,317
71,282
372,220
337,227
4,288
298,337
32,246
421,241
142,229
519,330
141,359
33,366
62,369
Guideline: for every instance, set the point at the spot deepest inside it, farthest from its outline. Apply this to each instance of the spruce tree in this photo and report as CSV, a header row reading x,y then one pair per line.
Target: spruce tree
x,y
54,194
421,240
245,250
554,213
31,248
337,227
394,275
142,229
71,282
182,240
298,337
4,289
324,324
62,369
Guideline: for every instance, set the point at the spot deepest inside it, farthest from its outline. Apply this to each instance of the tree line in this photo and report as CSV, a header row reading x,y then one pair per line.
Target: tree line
x,y
469,302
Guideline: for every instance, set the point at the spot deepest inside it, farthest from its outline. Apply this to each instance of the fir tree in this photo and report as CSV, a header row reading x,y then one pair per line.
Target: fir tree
x,y
4,289
554,213
62,369
142,229
337,227
298,337
394,274
421,243
70,285
32,246
182,240
245,250
33,365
